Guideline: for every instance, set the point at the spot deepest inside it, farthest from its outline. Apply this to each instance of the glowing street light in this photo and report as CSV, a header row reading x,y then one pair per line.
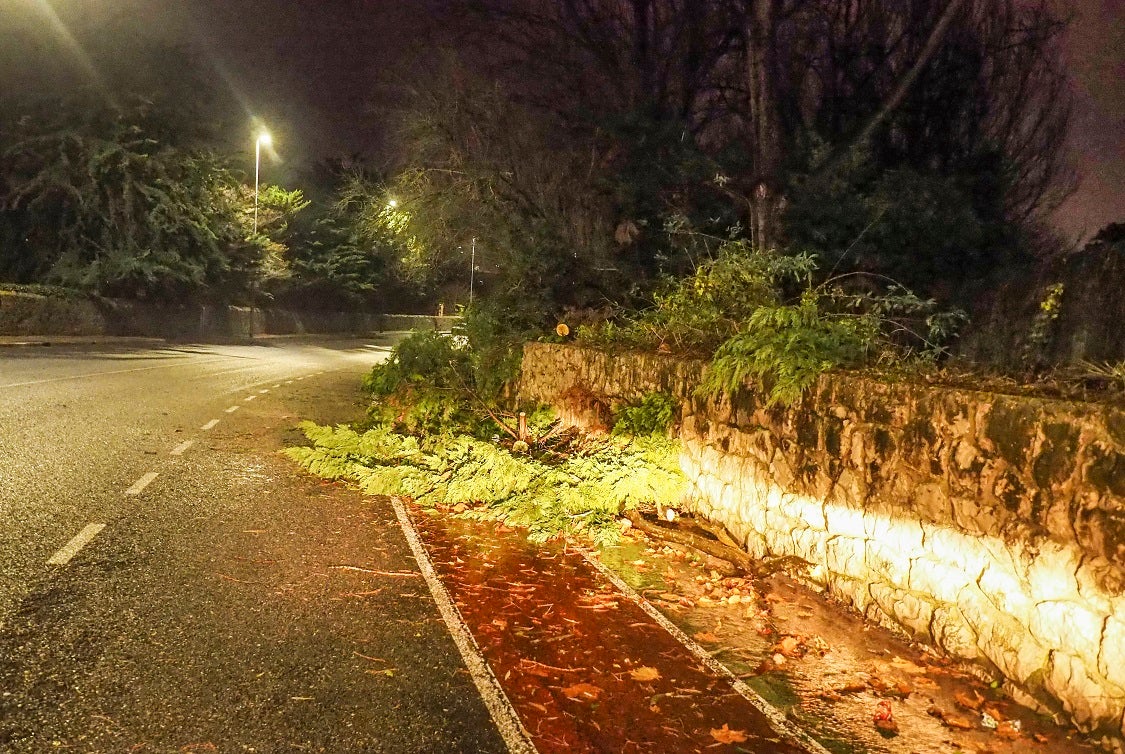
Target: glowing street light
x,y
263,138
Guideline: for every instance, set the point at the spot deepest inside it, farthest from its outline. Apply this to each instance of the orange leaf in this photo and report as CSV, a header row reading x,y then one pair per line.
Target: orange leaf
x,y
707,637
908,666
1008,729
586,691
957,722
973,702
725,735
790,646
645,674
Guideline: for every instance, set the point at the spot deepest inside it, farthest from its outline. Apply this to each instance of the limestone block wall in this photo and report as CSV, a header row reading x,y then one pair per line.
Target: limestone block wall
x,y
32,314
989,526
561,375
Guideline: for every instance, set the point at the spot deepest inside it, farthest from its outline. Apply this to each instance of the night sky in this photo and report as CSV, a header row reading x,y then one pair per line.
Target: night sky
x,y
316,72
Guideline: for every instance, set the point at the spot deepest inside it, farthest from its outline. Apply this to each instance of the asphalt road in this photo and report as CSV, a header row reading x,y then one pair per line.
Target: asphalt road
x,y
216,598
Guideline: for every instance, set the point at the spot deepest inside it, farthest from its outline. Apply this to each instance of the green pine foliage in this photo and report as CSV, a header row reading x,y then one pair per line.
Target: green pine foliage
x,y
696,314
580,495
653,414
788,347
761,317
428,359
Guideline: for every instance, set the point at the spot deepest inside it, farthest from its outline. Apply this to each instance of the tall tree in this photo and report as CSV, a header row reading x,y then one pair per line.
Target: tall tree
x,y
91,197
915,114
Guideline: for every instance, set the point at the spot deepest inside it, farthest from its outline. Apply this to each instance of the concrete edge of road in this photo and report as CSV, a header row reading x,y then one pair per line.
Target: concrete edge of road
x,y
780,722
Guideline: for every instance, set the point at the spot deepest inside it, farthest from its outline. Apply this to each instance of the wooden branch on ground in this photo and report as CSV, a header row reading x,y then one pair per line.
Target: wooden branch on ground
x,y
718,530
736,557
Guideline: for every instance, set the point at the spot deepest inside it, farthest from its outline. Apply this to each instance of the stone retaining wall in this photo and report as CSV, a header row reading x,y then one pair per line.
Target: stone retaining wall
x,y
33,314
989,526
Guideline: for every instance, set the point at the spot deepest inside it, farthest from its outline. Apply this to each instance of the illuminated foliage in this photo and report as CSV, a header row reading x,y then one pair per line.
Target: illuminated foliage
x,y
580,496
94,200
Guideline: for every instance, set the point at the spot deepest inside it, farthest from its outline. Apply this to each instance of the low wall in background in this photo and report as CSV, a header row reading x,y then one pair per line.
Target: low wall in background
x,y
38,315
988,526
30,314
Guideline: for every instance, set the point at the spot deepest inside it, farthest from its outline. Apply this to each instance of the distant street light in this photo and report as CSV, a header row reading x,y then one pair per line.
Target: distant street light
x,y
263,138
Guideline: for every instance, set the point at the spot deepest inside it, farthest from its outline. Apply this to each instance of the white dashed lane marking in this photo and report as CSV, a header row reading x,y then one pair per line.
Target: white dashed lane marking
x,y
139,485
249,398
263,392
71,548
232,409
209,425
182,448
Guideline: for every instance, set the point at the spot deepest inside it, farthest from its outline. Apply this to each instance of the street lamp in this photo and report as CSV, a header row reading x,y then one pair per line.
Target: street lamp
x,y
263,138
472,270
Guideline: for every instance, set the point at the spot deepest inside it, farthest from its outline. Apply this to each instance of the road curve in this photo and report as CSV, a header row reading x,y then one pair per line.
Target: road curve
x,y
168,582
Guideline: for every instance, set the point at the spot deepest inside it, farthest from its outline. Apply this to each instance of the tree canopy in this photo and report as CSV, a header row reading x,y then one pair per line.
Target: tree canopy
x,y
914,139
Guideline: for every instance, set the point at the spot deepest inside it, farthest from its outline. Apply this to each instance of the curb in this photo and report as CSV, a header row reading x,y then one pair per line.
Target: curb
x,y
25,341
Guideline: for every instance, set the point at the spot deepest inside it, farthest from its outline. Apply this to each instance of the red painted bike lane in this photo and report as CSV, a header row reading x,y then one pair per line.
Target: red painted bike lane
x,y
586,669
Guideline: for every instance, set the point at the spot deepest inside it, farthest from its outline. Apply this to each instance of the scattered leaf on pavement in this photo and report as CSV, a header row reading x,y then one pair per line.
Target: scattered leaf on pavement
x,y
645,674
725,735
973,702
790,646
586,691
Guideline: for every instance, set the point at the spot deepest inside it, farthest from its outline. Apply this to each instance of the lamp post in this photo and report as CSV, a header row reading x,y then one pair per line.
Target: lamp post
x,y
263,138
472,269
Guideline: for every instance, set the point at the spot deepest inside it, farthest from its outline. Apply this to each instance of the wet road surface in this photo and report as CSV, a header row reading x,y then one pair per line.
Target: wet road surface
x,y
168,582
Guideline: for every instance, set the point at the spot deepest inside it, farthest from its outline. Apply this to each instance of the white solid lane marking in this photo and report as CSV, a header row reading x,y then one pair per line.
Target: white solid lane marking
x,y
180,449
71,548
497,702
139,485
210,425
232,409
250,398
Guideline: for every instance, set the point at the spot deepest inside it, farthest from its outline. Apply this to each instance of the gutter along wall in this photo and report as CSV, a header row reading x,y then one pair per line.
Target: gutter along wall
x,y
989,526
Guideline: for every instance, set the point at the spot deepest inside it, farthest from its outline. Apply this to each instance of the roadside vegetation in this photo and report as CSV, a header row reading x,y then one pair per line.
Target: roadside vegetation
x,y
823,189
437,435
120,189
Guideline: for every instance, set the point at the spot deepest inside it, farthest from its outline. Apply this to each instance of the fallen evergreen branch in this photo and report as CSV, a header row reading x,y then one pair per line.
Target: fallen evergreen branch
x,y
581,494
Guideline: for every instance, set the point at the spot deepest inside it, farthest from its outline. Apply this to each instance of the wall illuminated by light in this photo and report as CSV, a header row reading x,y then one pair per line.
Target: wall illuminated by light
x,y
1038,615
991,527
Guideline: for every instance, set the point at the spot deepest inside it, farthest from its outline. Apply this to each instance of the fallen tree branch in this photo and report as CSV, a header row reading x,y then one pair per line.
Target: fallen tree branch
x,y
718,530
738,559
